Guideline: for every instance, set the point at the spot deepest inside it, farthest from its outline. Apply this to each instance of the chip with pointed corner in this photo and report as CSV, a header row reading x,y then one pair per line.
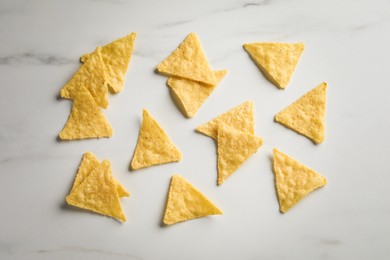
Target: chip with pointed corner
x,y
277,61
154,146
306,115
185,202
294,181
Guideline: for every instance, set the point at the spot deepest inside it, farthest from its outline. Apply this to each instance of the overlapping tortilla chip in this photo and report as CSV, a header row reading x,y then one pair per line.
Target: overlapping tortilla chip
x,y
154,146
190,95
98,193
116,57
85,120
185,202
277,61
306,115
294,180
92,76
239,117
234,148
188,61
88,164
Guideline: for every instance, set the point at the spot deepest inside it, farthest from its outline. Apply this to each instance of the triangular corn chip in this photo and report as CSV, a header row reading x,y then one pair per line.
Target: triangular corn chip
x,y
98,193
188,61
85,120
306,116
89,163
234,148
277,61
116,57
294,180
91,75
154,146
239,117
185,202
190,95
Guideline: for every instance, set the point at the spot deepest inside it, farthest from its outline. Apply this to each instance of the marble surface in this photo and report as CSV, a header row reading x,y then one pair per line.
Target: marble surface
x,y
347,45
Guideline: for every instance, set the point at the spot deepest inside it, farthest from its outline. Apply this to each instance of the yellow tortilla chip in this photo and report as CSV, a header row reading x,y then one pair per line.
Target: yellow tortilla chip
x,y
98,193
91,75
239,117
294,181
277,61
89,163
306,116
190,95
188,61
234,148
185,202
116,57
154,146
85,120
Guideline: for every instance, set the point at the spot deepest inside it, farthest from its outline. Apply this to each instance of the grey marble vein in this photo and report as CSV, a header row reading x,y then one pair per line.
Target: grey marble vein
x,y
34,58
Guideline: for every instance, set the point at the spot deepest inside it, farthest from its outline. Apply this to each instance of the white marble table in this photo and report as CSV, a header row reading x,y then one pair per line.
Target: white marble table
x,y
347,45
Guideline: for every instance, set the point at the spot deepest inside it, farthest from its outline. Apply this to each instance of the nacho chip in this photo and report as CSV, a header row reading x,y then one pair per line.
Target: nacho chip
x,y
185,202
239,117
154,146
98,193
116,57
188,61
294,181
277,61
89,163
234,148
85,120
306,116
190,95
92,76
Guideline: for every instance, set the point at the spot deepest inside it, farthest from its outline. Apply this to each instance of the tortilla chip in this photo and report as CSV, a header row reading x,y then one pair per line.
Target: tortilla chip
x,y
188,61
239,117
116,57
85,120
98,193
89,163
277,61
294,181
306,116
92,76
190,95
185,202
154,146
234,148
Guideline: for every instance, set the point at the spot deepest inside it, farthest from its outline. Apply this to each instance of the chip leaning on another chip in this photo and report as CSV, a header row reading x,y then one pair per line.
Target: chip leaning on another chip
x,y
190,95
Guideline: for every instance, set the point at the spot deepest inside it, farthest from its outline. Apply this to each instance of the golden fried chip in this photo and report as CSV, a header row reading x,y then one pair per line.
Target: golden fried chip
x,y
185,202
277,61
239,117
98,193
91,75
190,95
306,116
85,120
234,148
294,181
188,61
154,146
89,163
116,57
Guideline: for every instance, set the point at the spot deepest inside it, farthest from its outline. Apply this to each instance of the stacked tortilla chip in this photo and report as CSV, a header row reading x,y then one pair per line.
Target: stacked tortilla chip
x,y
95,188
103,70
191,80
236,141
